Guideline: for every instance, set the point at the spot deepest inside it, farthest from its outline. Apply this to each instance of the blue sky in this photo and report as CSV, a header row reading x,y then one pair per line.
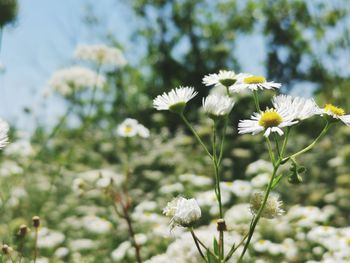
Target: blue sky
x,y
43,41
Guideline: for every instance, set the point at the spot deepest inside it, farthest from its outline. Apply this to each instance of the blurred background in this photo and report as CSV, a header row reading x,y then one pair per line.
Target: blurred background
x,y
302,44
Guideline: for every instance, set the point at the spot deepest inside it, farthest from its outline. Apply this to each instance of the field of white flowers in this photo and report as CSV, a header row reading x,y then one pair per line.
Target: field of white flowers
x,y
244,174
99,194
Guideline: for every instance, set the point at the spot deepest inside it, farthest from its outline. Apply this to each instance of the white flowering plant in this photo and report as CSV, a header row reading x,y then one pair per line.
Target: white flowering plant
x,y
276,124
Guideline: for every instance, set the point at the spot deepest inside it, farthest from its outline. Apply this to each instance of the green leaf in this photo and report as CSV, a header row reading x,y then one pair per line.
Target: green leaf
x,y
216,247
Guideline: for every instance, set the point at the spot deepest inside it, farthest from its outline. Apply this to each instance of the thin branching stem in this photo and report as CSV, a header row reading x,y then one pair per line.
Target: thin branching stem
x,y
196,135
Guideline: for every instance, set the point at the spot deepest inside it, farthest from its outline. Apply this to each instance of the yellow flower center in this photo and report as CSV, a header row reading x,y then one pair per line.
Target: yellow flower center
x,y
254,80
348,241
335,110
127,129
270,119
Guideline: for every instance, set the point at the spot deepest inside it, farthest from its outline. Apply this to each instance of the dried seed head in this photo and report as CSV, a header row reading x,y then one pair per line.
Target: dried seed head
x,y
6,250
221,225
36,221
23,230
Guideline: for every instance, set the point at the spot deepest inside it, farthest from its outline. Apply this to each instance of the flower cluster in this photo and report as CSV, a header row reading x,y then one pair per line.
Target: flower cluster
x,y
101,55
286,111
68,80
131,127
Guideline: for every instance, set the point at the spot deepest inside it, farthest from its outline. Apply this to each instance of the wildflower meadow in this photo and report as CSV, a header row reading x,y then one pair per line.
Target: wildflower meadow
x,y
177,132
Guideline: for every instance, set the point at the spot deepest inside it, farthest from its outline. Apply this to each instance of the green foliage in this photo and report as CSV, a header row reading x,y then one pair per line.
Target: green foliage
x,y
8,11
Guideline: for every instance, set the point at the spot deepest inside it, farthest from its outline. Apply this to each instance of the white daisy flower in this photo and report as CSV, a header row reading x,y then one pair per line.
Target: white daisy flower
x,y
175,100
336,113
217,105
252,82
302,108
131,127
184,212
270,120
225,78
4,129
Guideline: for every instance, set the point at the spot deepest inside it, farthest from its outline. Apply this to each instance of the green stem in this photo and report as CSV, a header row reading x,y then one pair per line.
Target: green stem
x,y
35,245
234,248
269,147
310,146
258,215
223,140
196,135
277,144
202,244
218,189
276,165
197,245
256,100
93,97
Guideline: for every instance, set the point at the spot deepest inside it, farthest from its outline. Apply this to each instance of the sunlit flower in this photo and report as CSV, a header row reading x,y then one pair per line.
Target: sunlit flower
x,y
217,105
337,113
101,54
66,81
175,100
96,224
4,129
248,81
272,207
184,212
49,238
61,252
82,244
225,78
301,108
270,120
120,252
131,127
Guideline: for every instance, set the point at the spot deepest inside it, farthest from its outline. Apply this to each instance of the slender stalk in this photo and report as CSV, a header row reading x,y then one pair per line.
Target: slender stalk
x,y
276,165
256,100
132,235
269,147
93,97
196,135
202,244
223,139
234,248
218,189
221,244
310,146
258,215
197,245
277,144
11,258
35,244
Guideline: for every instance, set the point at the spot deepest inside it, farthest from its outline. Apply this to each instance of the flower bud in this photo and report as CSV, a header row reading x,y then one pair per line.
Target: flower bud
x,y
36,221
23,230
6,250
221,225
184,212
272,207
